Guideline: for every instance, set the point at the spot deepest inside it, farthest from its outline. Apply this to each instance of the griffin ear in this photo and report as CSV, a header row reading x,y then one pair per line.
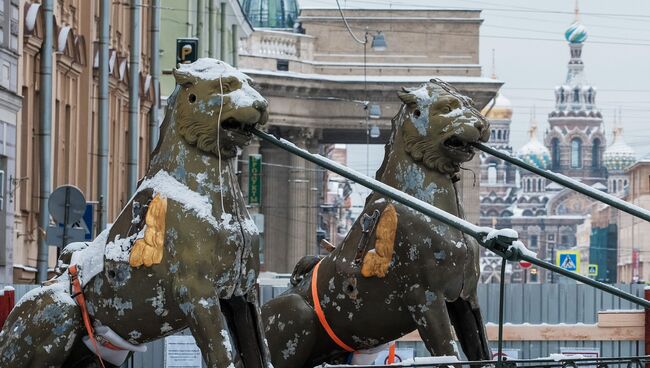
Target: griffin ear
x,y
184,78
406,96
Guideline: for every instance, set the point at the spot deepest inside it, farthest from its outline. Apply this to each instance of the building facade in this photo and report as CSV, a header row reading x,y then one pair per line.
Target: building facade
x,y
10,104
218,26
547,216
313,77
75,125
633,251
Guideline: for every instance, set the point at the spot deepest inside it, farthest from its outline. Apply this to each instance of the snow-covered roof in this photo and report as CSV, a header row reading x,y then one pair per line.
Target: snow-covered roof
x,y
370,78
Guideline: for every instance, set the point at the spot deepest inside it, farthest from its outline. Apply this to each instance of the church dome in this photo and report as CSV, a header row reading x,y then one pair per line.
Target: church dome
x,y
619,155
576,33
271,13
534,152
502,108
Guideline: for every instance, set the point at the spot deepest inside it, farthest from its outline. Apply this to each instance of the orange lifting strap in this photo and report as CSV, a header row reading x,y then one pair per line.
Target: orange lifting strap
x,y
321,315
78,296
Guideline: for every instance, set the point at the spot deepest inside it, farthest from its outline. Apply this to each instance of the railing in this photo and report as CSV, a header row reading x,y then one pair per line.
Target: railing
x,y
504,243
278,45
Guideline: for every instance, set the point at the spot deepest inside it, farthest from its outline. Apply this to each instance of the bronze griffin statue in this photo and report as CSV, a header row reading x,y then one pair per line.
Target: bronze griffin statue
x,y
182,253
397,270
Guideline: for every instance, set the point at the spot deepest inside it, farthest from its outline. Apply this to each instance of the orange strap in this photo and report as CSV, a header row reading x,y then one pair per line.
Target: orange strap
x,y
321,315
78,295
391,353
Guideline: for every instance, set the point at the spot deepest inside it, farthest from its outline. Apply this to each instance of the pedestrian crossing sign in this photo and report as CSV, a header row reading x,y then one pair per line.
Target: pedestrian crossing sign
x,y
593,270
568,259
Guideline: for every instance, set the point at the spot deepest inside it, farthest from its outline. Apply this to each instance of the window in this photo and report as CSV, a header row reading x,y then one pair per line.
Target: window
x,y
533,242
492,174
576,153
614,186
555,153
595,154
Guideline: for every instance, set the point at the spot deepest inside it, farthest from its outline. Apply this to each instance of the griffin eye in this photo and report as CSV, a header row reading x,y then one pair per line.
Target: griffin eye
x,y
192,98
417,113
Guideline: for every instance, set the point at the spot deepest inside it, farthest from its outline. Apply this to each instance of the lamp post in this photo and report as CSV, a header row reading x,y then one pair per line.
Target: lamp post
x,y
378,44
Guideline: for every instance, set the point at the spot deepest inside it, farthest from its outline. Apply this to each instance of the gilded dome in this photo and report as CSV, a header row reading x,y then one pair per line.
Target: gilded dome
x,y
619,155
502,108
534,152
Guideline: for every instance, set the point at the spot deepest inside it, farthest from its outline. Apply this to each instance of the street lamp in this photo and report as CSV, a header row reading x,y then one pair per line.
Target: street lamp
x,y
378,44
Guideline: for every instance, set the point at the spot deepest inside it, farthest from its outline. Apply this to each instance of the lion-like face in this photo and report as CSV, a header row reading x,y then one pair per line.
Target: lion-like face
x,y
438,126
210,89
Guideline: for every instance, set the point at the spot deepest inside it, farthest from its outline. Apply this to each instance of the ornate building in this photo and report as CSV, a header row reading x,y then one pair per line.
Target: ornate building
x,y
10,104
546,215
618,157
575,137
75,147
498,182
314,80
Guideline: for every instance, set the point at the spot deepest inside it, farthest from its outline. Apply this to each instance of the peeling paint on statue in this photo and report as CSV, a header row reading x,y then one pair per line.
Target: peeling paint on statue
x,y
430,139
185,252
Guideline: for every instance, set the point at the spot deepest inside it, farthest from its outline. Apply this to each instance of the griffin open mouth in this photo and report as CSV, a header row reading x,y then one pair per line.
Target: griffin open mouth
x,y
237,127
456,144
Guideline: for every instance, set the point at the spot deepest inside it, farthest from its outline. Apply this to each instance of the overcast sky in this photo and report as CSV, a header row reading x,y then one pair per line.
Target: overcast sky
x,y
531,55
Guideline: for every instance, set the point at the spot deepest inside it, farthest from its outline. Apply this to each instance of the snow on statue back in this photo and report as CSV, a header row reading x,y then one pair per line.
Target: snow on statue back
x,y
183,252
406,271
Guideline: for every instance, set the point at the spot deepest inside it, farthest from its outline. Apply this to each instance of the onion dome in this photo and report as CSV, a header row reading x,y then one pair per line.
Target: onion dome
x,y
576,33
502,108
271,13
534,152
618,156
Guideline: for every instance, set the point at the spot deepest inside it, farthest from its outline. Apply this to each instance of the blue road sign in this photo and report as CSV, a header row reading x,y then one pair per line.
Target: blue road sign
x,y
569,260
88,221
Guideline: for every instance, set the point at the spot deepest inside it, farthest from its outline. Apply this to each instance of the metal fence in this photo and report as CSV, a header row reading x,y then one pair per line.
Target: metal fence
x,y
525,303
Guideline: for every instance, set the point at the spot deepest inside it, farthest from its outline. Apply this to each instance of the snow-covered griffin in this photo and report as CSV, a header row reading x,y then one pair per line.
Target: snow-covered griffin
x,y
182,253
396,270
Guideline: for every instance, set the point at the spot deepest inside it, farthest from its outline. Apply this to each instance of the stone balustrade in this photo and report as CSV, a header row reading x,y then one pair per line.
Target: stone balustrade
x,y
277,45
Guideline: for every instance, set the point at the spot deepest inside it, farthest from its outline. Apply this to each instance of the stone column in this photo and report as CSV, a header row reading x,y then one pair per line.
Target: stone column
x,y
301,227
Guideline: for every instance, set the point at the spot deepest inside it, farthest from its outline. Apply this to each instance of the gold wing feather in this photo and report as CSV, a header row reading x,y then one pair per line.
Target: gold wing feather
x,y
149,250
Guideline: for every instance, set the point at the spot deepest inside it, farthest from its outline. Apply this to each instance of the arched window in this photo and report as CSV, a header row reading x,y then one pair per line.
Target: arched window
x,y
492,174
614,186
576,95
576,153
595,154
499,134
555,153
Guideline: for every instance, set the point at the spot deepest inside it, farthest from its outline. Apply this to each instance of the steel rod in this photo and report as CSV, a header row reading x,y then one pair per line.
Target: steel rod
x,y
570,183
599,285
479,233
